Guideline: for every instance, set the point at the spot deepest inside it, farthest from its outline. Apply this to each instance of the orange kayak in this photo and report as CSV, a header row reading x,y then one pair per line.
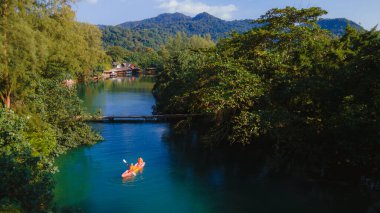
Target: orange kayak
x,y
129,173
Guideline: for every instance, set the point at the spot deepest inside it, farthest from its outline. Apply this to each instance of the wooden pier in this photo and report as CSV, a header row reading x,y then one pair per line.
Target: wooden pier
x,y
143,118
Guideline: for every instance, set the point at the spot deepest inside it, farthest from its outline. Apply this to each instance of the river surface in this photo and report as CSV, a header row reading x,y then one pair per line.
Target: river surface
x,y
179,176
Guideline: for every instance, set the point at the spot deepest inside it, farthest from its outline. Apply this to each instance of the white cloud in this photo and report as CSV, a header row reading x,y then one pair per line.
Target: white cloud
x,y
190,7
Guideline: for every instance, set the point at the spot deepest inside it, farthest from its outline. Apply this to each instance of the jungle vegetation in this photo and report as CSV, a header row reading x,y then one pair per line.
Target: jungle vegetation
x,y
146,57
309,98
41,45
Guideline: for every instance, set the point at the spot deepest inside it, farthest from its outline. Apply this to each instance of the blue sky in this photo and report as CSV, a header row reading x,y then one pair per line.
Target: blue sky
x,y
112,12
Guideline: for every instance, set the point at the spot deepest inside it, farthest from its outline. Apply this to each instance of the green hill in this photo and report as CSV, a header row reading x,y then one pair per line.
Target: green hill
x,y
155,31
338,25
201,24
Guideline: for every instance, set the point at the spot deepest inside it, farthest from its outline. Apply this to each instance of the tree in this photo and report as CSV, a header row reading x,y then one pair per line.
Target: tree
x,y
42,39
181,64
118,54
18,47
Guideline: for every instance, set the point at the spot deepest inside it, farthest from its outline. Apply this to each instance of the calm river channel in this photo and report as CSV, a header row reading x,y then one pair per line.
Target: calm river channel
x,y
179,176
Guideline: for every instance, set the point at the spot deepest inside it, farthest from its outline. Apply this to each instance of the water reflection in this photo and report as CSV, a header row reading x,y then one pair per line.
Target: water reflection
x,y
240,182
118,96
77,180
133,178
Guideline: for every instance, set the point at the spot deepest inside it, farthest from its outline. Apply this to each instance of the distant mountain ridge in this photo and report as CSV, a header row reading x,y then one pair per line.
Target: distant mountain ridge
x,y
201,24
153,32
163,18
338,25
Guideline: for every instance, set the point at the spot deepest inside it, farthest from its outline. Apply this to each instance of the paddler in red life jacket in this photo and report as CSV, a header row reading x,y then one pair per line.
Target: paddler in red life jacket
x,y
140,161
131,167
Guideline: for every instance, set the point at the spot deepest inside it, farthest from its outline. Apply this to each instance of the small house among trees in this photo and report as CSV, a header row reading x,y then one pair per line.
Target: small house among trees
x,y
121,69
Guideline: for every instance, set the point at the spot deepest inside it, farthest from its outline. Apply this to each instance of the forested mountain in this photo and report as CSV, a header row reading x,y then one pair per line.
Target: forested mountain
x,y
201,24
153,32
338,25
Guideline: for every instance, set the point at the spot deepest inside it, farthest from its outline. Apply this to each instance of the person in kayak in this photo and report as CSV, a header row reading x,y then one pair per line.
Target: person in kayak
x,y
131,167
140,161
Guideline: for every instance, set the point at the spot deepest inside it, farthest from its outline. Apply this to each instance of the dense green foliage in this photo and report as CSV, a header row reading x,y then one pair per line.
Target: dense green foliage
x,y
309,96
25,178
148,57
42,39
131,39
143,57
154,32
41,45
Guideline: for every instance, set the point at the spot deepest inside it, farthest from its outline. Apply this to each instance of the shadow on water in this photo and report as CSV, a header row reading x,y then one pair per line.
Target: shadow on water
x,y
76,180
241,181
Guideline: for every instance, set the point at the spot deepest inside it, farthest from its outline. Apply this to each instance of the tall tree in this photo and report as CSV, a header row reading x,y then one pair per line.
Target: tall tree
x,y
18,46
42,39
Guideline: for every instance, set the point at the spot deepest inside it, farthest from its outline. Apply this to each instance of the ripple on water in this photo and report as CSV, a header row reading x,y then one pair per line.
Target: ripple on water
x,y
126,182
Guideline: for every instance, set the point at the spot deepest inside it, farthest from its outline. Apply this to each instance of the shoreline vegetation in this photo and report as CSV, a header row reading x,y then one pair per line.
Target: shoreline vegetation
x,y
305,97
41,45
308,98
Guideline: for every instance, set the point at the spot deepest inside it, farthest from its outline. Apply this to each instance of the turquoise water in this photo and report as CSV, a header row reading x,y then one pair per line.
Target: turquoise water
x,y
179,176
